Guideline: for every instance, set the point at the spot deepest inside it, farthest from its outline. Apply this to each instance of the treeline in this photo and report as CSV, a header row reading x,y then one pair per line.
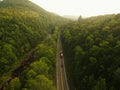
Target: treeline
x,y
91,49
23,27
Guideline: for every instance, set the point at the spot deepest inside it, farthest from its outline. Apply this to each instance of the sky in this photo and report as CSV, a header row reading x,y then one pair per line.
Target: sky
x,y
85,8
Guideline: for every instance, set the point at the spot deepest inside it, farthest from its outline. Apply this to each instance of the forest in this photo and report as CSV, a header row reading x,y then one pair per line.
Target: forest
x,y
24,28
91,49
28,38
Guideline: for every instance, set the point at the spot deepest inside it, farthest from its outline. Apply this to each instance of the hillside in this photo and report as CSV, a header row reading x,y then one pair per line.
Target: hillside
x,y
91,49
25,26
28,38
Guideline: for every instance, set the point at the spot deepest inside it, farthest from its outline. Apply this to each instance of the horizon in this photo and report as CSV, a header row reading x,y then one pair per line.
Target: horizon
x,y
84,8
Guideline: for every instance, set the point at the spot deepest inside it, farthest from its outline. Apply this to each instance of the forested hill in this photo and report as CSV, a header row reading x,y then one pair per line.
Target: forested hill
x,y
25,26
92,52
28,36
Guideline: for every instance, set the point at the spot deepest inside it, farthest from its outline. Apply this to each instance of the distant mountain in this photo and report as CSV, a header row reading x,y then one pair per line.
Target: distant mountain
x,y
71,17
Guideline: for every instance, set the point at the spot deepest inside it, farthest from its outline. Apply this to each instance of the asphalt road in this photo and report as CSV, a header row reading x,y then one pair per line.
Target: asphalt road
x,y
61,78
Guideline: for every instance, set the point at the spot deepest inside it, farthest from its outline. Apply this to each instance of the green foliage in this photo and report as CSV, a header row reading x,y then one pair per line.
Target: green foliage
x,y
40,82
23,27
37,77
15,84
40,67
101,84
40,74
91,48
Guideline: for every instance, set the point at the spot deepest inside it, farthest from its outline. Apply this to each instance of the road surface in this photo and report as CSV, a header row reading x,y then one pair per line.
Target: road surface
x,y
61,78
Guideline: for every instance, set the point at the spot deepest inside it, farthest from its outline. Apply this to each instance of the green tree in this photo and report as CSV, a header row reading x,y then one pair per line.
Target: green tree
x,y
40,83
15,84
101,84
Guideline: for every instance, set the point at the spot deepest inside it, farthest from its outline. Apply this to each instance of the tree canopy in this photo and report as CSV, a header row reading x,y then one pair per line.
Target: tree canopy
x,y
91,49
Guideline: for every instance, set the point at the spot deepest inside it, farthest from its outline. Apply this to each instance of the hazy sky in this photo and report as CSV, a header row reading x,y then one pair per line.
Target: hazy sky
x,y
85,8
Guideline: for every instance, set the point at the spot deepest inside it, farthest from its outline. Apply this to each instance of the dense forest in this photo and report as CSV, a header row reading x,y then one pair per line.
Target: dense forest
x,y
91,49
24,28
28,38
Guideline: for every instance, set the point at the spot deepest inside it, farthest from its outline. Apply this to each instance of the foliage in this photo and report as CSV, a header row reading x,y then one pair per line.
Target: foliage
x,y
91,50
25,26
15,84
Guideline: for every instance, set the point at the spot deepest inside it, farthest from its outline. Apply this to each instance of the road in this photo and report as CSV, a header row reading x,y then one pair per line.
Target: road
x,y
61,78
